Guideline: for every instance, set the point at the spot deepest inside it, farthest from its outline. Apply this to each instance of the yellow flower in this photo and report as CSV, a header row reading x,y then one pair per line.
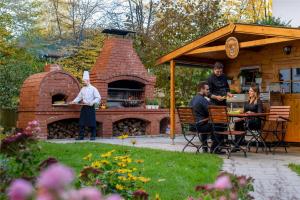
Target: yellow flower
x,y
96,164
124,136
127,160
157,197
143,179
119,187
134,169
106,155
139,161
122,178
131,177
123,171
105,162
88,157
133,141
121,164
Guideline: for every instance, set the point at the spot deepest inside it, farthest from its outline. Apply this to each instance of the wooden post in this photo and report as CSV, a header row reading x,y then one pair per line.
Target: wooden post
x,y
172,100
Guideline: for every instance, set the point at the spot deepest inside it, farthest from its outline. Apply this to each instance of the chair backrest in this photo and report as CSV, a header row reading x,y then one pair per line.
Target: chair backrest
x,y
218,114
279,111
186,115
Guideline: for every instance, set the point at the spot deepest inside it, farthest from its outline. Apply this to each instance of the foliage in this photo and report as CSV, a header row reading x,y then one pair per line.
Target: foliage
x,y
152,102
176,23
113,172
54,183
16,63
295,168
179,171
246,11
19,155
14,70
84,56
273,21
227,186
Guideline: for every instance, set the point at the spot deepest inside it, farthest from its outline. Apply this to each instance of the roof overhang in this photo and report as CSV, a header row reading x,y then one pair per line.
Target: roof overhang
x,y
201,50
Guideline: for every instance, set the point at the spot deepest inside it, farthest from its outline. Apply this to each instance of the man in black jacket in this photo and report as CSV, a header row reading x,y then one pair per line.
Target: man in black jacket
x,y
199,104
218,86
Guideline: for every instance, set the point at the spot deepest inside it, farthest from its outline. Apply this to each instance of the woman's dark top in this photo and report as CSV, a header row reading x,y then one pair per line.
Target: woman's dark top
x,y
254,123
253,107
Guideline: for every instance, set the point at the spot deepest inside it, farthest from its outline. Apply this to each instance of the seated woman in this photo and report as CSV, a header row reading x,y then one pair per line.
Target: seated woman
x,y
254,105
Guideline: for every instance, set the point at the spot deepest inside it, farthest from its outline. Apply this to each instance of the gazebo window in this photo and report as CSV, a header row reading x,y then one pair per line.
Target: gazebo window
x,y
290,80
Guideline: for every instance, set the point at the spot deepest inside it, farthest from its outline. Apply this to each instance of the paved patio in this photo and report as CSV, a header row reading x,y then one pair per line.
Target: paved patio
x,y
273,179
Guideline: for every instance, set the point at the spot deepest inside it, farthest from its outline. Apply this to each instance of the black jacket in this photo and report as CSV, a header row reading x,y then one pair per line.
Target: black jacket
x,y
200,107
218,86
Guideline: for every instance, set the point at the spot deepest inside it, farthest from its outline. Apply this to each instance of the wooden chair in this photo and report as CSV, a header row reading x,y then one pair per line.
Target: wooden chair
x,y
218,116
187,119
276,125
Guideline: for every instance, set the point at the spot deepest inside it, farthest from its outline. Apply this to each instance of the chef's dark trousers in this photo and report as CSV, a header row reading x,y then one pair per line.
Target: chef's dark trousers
x,y
81,132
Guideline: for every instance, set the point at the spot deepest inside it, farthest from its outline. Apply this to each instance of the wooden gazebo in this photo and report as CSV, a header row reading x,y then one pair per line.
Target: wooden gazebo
x,y
273,51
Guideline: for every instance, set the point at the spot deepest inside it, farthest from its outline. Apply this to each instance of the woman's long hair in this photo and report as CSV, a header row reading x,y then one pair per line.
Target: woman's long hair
x,y
254,99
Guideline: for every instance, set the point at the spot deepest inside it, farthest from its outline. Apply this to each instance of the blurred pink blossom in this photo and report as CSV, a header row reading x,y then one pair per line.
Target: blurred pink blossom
x,y
89,194
114,197
222,182
20,190
55,178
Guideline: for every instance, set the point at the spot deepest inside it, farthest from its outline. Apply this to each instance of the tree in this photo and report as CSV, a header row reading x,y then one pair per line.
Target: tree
x,y
273,21
176,23
16,63
84,56
68,19
246,11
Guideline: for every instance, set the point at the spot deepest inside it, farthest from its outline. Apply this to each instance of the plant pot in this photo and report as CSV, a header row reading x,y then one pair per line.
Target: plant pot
x,y
156,106
148,106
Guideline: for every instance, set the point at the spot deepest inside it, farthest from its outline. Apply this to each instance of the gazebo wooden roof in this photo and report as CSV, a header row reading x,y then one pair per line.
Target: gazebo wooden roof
x,y
211,47
206,50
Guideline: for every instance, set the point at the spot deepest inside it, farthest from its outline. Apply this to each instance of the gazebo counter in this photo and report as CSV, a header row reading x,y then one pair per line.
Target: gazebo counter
x,y
271,59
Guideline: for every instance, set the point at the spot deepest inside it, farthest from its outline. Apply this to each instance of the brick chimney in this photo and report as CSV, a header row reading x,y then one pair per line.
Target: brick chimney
x,y
118,60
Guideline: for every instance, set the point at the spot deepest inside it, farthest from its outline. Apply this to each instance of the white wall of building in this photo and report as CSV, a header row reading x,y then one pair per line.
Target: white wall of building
x,y
287,10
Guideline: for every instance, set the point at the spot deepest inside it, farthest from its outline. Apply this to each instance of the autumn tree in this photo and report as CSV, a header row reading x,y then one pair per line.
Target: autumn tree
x,y
17,20
246,11
176,23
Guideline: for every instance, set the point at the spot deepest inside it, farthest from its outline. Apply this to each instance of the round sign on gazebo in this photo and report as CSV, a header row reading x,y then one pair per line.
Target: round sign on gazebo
x,y
232,47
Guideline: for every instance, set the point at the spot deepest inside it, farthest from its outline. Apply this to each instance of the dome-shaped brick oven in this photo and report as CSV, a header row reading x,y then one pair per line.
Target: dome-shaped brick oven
x,y
39,94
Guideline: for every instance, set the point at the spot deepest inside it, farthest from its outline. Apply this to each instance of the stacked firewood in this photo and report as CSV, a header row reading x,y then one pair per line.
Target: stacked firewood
x,y
65,129
132,127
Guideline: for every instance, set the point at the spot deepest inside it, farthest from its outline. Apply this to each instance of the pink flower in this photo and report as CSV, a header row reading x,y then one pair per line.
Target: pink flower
x,y
222,182
20,190
223,198
89,194
38,129
34,123
45,196
55,178
242,180
114,197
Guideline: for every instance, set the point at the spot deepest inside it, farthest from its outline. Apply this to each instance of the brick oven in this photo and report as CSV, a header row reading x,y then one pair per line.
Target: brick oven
x,y
124,85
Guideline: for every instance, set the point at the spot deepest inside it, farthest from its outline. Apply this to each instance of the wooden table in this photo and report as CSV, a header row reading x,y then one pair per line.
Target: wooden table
x,y
248,114
256,134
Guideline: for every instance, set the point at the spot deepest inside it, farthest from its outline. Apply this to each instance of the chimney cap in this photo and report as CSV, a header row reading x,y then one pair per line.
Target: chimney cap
x,y
117,32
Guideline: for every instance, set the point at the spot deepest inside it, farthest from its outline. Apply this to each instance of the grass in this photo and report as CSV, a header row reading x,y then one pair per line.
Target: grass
x,y
295,168
181,172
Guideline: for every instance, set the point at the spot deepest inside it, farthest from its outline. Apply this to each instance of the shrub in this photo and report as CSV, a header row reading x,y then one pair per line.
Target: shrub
x,y
113,174
18,152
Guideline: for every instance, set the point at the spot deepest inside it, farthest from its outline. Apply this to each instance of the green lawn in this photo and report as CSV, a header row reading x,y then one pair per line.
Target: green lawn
x,y
181,171
295,168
